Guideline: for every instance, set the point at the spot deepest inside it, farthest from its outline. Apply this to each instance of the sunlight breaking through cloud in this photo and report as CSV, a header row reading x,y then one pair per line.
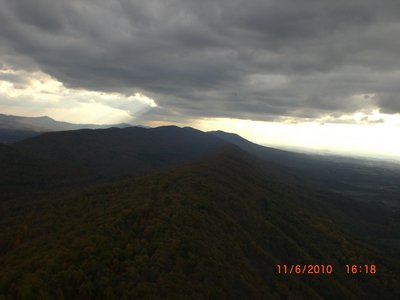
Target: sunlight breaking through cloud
x,y
33,93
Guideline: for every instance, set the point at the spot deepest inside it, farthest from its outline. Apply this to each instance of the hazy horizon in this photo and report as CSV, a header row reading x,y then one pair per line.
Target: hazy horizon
x,y
270,141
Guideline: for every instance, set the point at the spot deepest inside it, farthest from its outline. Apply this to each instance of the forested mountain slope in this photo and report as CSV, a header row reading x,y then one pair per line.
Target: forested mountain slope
x,y
71,158
116,151
212,229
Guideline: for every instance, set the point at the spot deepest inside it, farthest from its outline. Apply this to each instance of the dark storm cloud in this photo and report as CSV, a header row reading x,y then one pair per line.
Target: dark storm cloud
x,y
259,60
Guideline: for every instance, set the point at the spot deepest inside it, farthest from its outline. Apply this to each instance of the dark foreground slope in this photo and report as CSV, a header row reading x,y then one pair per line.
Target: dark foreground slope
x,y
20,170
215,229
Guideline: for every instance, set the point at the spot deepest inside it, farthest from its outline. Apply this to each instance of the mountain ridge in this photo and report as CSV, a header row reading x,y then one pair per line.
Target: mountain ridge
x,y
17,128
45,124
84,157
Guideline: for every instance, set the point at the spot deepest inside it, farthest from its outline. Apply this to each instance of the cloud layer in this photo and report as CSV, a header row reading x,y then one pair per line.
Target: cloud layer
x,y
254,59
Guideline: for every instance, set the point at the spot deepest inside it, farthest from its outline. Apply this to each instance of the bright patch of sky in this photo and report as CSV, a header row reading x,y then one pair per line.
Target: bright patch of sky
x,y
32,94
371,140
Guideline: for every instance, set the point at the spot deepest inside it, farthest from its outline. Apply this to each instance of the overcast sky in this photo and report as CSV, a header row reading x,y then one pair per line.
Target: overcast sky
x,y
189,62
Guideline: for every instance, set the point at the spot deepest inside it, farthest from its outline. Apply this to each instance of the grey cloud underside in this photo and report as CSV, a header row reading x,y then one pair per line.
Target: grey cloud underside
x,y
260,60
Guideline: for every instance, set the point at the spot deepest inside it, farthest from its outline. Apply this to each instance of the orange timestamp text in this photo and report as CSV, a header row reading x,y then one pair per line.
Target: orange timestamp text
x,y
309,269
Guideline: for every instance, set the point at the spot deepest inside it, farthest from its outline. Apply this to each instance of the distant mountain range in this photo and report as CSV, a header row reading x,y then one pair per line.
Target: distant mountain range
x,y
15,128
177,213
46,124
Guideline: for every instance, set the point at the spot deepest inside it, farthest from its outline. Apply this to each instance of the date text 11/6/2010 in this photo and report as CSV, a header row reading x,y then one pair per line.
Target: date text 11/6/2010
x,y
323,269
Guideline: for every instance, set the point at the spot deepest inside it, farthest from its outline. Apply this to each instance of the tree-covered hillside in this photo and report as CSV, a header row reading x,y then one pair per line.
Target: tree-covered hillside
x,y
213,229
